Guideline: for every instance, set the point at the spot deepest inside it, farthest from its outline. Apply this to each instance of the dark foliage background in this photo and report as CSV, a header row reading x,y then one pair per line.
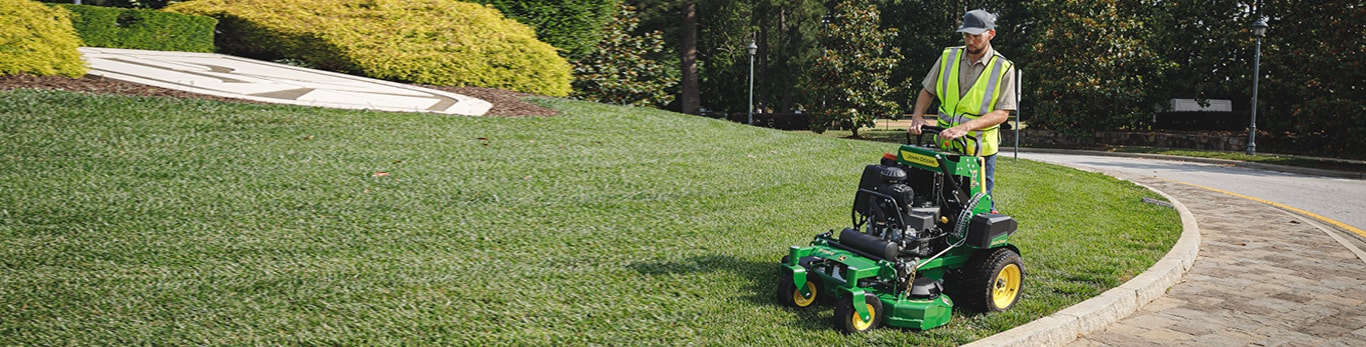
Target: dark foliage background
x,y
1087,65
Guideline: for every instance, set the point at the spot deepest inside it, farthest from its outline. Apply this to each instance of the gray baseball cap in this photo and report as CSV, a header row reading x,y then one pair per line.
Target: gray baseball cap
x,y
977,22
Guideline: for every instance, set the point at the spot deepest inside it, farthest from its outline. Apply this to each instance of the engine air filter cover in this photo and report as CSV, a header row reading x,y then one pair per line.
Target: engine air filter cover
x,y
892,174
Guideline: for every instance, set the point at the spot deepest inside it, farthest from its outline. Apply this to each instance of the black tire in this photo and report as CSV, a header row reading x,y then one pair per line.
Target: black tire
x,y
992,282
788,294
847,319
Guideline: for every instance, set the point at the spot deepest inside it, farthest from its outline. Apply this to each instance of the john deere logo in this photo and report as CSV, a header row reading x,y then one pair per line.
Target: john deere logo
x,y
919,159
840,259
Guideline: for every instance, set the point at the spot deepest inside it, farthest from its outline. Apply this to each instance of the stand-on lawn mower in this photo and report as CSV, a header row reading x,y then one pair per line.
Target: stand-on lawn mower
x,y
923,238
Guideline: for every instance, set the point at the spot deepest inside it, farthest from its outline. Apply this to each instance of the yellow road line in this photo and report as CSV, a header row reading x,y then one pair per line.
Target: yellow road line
x,y
1342,225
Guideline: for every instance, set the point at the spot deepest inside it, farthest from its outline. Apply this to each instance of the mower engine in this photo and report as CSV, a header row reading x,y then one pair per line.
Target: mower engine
x,y
889,210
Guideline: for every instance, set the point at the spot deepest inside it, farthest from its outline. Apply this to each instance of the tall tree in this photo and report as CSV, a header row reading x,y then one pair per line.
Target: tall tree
x,y
620,71
925,27
1100,69
784,30
850,87
1313,80
678,21
1204,48
574,26
689,98
787,34
725,29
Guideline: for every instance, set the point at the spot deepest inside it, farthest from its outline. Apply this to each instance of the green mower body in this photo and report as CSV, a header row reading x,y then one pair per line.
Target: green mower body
x,y
923,239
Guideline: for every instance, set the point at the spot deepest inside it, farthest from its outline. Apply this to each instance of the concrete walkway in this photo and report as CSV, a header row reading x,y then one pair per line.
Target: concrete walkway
x,y
241,78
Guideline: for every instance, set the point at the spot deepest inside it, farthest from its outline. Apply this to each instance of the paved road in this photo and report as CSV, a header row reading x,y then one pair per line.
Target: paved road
x,y
1263,276
1338,199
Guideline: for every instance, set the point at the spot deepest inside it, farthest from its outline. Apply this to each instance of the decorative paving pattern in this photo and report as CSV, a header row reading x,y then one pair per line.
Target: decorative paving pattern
x,y
1264,277
241,78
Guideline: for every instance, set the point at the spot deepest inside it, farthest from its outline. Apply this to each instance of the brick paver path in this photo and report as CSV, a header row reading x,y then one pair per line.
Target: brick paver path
x,y
1264,277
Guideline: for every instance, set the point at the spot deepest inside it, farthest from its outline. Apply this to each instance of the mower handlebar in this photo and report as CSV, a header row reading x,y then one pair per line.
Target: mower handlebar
x,y
920,139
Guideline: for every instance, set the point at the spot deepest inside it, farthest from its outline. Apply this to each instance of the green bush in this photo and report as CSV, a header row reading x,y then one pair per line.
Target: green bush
x,y
142,29
574,26
437,42
39,40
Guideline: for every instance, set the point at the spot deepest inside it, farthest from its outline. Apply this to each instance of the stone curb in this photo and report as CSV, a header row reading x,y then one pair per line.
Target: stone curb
x,y
1109,307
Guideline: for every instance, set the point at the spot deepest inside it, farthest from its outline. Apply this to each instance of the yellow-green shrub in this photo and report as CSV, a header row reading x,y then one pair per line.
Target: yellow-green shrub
x,y
39,40
438,42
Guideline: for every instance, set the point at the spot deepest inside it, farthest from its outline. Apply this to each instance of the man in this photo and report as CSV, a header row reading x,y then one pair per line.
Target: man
x,y
975,87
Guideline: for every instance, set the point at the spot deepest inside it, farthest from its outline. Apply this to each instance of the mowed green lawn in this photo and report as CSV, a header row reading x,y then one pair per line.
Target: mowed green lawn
x,y
152,221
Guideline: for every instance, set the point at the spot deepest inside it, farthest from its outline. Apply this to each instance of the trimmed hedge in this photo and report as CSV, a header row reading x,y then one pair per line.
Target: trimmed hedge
x,y
436,42
38,40
142,29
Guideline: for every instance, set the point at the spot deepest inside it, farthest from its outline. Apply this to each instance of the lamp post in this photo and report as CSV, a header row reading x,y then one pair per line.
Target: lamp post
x,y
1258,31
752,47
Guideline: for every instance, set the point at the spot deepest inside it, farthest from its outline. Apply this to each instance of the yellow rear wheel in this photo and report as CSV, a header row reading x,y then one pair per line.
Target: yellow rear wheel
x,y
993,281
1005,290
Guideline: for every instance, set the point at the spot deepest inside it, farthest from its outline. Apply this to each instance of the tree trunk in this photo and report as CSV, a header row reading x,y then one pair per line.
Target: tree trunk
x,y
690,99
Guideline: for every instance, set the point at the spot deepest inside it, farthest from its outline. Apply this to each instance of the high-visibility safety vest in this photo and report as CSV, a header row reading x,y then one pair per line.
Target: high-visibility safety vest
x,y
979,100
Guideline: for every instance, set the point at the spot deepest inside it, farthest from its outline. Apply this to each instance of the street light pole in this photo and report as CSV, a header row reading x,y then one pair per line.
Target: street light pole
x,y
752,48
1258,30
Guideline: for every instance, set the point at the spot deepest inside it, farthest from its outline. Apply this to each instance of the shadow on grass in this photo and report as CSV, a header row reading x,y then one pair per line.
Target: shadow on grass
x,y
755,272
760,280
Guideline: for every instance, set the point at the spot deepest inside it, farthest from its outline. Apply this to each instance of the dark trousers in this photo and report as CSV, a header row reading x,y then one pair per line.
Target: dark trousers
x,y
991,178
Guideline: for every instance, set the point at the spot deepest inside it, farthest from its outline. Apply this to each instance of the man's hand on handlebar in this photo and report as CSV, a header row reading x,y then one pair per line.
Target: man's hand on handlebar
x,y
953,133
948,134
958,133
916,124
